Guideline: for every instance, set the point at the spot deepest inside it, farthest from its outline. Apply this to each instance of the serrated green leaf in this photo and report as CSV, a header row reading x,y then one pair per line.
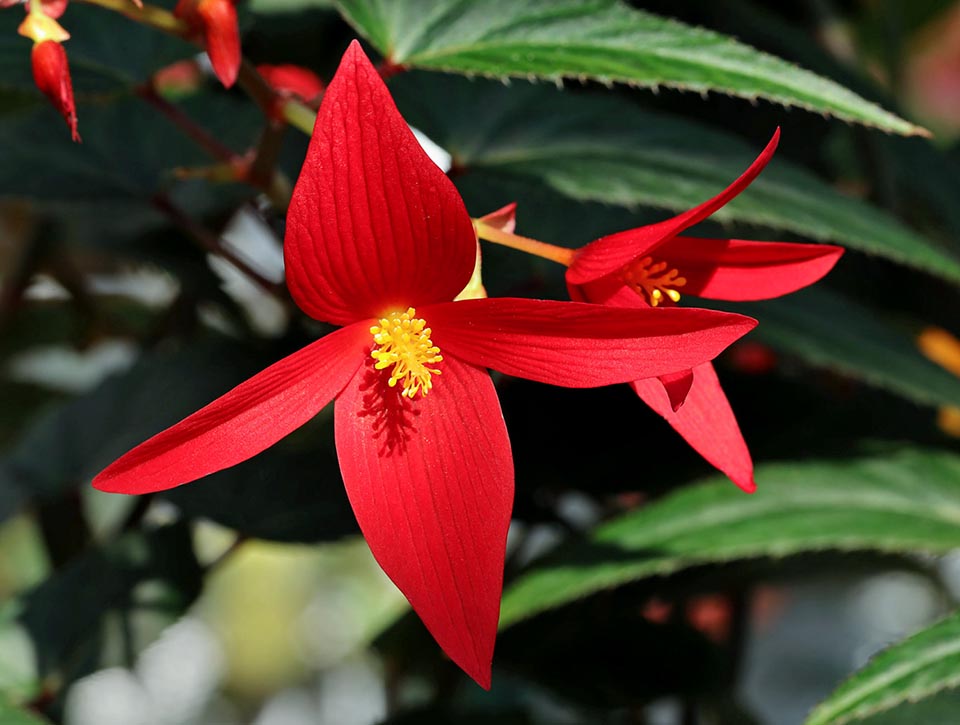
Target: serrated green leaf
x,y
10,714
835,332
604,40
906,502
917,668
593,147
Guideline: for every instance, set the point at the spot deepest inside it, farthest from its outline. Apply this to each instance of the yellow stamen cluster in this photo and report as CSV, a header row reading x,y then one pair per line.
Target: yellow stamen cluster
x,y
404,342
654,281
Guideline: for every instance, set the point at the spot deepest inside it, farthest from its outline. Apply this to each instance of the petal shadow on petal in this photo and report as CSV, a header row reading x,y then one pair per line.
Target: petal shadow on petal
x,y
394,416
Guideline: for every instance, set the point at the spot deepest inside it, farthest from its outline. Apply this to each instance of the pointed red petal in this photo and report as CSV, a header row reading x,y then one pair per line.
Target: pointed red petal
x,y
374,225
251,417
706,422
51,73
610,253
431,483
736,269
677,386
222,35
577,345
504,218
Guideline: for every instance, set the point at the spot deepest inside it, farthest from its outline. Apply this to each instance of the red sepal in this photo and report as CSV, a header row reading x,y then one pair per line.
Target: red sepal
x,y
216,20
741,270
706,422
374,225
611,253
431,483
248,419
578,345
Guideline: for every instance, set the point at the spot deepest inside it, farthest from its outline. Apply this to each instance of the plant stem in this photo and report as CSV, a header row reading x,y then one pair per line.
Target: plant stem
x,y
147,15
203,138
560,255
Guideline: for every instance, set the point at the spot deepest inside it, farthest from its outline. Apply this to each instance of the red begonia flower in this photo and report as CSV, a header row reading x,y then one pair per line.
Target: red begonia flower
x,y
378,241
216,20
647,266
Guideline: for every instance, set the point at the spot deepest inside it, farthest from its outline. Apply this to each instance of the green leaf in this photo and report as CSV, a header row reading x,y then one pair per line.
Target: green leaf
x,y
129,149
593,147
905,502
10,714
104,582
604,40
917,668
835,332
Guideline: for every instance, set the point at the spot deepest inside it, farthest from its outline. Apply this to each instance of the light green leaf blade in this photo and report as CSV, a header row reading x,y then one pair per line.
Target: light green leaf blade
x,y
904,502
603,40
10,714
835,332
593,147
917,668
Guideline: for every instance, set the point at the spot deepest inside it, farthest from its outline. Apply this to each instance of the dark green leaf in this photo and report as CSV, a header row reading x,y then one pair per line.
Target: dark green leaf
x,y
603,40
601,148
65,615
907,502
835,332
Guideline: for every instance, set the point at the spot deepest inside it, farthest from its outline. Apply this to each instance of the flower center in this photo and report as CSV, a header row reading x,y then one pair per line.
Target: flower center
x,y
654,281
404,342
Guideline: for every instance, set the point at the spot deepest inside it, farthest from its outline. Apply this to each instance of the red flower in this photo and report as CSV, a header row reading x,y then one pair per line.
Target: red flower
x,y
216,20
647,266
378,241
48,59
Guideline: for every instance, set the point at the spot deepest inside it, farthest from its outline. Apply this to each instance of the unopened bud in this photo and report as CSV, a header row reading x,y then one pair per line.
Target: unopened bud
x,y
52,76
217,21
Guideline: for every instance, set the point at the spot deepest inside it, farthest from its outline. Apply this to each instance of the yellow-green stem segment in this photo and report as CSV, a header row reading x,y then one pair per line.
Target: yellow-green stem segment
x,y
560,255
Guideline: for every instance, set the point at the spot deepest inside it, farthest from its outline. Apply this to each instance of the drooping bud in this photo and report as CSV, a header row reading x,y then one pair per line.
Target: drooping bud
x,y
52,76
216,20
293,81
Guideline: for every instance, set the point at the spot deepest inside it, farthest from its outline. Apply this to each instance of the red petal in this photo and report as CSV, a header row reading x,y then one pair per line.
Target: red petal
x,y
677,386
374,225
706,422
578,345
51,73
504,218
610,253
251,417
222,35
735,269
431,483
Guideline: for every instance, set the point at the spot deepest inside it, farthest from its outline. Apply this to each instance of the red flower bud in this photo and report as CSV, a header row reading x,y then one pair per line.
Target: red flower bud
x,y
53,8
52,76
293,81
217,21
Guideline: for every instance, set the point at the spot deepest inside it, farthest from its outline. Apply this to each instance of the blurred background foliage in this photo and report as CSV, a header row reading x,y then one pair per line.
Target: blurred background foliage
x,y
136,287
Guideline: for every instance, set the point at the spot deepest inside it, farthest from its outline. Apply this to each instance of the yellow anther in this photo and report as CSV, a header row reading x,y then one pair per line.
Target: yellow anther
x,y
653,281
404,342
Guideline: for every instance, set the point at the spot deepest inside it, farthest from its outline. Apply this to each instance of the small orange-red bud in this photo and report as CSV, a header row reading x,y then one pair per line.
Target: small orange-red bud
x,y
53,8
52,76
292,80
217,21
